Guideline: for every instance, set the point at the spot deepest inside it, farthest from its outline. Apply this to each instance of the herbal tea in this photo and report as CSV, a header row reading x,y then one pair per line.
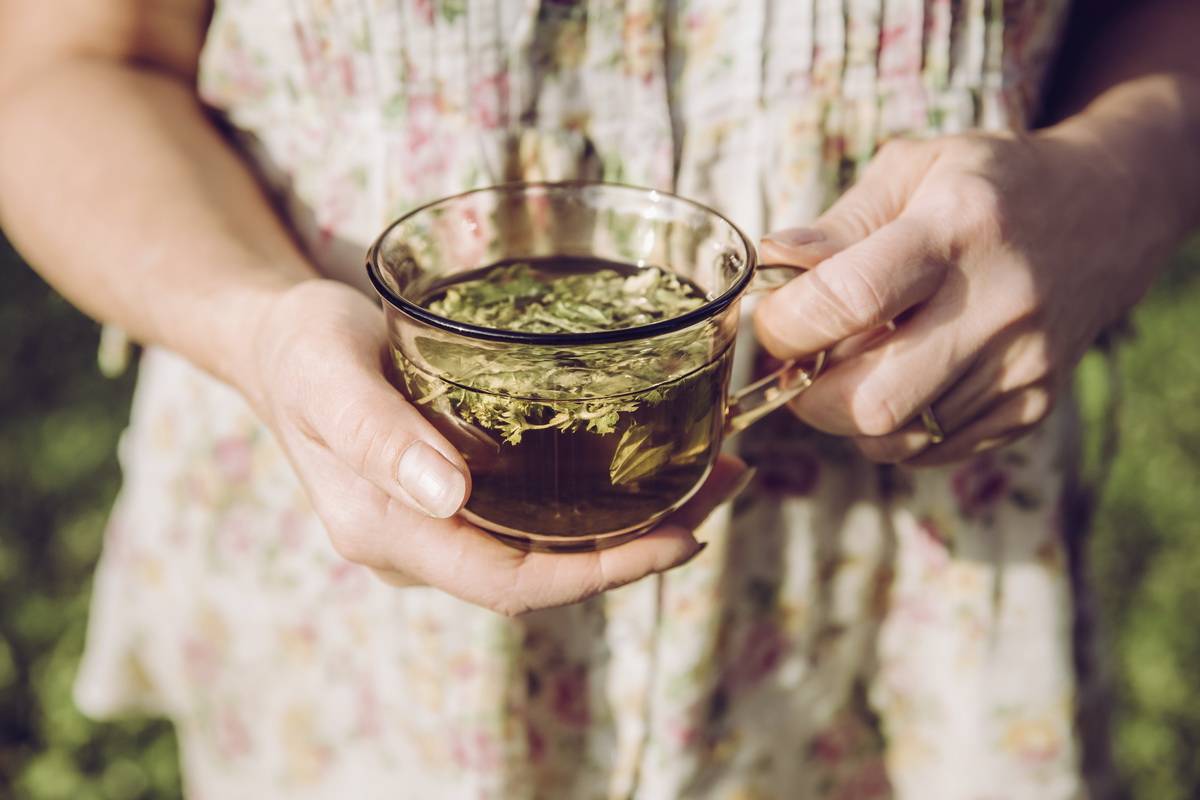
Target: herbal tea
x,y
572,442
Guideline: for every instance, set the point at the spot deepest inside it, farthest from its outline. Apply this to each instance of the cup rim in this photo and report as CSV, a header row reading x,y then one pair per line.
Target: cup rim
x,y
710,308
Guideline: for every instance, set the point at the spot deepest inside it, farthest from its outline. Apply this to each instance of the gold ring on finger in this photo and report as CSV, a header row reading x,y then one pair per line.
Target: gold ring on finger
x,y
934,428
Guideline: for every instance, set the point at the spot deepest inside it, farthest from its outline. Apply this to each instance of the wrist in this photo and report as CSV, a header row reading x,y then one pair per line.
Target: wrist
x,y
293,330
1139,142
1115,215
247,349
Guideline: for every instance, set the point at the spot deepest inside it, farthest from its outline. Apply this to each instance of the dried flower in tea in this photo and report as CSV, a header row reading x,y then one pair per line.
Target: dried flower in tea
x,y
586,437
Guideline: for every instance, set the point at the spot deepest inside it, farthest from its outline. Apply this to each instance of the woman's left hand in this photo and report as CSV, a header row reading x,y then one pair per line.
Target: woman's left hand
x,y
999,257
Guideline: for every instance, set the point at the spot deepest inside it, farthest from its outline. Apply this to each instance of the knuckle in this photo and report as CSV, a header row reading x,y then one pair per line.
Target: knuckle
x,y
897,149
980,151
849,298
363,442
1037,404
1026,303
1034,364
972,211
350,545
1042,362
874,414
981,207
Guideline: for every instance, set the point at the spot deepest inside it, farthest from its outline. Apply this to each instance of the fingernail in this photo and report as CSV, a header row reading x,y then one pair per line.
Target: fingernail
x,y
431,480
795,237
695,553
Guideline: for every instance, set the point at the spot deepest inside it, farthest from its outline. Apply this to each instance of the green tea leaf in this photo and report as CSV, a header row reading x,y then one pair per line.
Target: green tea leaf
x,y
633,460
519,297
510,390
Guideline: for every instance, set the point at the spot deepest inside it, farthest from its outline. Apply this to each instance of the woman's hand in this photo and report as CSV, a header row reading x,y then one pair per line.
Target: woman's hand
x,y
387,485
1000,258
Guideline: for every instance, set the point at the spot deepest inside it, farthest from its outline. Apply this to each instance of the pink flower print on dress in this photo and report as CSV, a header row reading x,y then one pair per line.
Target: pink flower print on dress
x,y
307,758
424,11
368,720
686,736
569,696
313,47
349,581
979,486
830,746
292,529
841,738
489,100
760,654
897,57
1036,741
298,643
703,33
466,233
201,660
236,534
931,545
475,750
643,46
234,457
204,646
339,207
868,781
795,474
241,78
463,666
426,152
232,736
536,744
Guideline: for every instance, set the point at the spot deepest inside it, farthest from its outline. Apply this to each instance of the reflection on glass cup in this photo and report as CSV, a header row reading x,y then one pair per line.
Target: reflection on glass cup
x,y
575,441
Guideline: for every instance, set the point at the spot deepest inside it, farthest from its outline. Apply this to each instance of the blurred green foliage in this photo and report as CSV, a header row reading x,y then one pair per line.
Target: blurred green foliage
x,y
1145,550
59,423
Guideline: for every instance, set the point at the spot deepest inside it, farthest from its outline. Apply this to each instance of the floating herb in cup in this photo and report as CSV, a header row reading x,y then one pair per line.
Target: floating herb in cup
x,y
572,442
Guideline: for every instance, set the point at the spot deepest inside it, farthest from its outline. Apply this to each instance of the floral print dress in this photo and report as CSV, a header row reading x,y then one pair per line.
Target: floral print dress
x,y
850,632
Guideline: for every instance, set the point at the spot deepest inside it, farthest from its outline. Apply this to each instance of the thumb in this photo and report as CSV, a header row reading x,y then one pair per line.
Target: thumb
x,y
320,355
387,441
342,399
877,198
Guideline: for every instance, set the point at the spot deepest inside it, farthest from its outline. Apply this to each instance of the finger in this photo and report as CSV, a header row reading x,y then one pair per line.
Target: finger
x,y
368,424
1013,417
462,560
853,292
877,391
1010,364
877,198
906,443
1020,410
800,247
1001,370
484,571
859,343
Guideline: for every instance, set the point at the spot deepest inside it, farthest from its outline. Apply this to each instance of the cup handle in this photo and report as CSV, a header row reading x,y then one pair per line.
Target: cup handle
x,y
751,403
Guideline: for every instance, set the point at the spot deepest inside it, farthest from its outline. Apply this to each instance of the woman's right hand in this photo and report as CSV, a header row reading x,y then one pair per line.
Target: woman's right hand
x,y
387,485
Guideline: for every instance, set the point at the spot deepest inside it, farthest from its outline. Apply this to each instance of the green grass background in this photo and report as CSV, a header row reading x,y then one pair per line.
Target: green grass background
x,y
59,424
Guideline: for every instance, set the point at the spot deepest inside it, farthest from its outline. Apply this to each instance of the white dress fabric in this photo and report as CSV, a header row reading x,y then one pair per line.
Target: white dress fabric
x,y
851,631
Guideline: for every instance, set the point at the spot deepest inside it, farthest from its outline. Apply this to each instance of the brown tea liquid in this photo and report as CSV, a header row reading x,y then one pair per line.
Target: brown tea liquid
x,y
613,462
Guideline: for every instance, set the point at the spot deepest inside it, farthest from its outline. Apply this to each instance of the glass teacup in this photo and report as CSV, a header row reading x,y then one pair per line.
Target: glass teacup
x,y
575,440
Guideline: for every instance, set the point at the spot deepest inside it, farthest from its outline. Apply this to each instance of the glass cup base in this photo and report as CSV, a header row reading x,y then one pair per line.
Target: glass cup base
x,y
537,543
